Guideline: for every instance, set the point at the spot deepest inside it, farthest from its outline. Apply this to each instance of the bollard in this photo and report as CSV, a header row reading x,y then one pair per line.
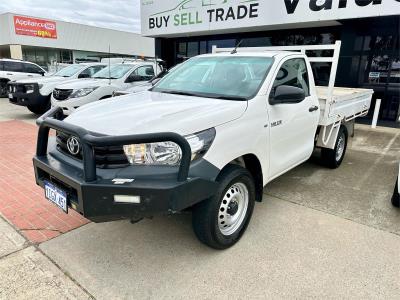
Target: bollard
x,y
376,113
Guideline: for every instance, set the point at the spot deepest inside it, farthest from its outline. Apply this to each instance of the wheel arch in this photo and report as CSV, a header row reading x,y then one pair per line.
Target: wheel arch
x,y
253,165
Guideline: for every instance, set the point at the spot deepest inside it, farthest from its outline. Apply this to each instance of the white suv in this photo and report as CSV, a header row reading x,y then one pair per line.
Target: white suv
x,y
102,85
11,69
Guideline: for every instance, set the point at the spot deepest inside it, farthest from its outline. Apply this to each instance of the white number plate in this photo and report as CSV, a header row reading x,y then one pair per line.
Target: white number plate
x,y
55,195
10,96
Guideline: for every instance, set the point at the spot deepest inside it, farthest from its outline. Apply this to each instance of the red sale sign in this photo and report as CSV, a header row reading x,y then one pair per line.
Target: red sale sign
x,y
35,27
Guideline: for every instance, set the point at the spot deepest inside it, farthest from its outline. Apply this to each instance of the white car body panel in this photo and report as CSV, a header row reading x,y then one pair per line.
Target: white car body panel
x,y
175,113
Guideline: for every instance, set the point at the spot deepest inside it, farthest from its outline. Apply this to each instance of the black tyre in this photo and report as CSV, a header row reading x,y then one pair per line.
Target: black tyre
x,y
332,158
3,89
40,109
219,222
396,195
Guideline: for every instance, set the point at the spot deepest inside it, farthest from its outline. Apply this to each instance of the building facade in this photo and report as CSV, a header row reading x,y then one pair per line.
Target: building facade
x,y
369,31
48,42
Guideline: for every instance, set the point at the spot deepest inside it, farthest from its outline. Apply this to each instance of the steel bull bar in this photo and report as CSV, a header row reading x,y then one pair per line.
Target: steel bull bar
x,y
93,195
89,141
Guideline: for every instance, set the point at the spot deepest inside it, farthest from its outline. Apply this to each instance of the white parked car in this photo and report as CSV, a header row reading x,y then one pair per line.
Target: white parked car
x,y
207,137
71,96
396,192
35,93
11,70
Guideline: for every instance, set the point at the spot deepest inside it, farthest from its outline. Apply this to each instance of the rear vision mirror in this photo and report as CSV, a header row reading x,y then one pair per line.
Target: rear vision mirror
x,y
286,94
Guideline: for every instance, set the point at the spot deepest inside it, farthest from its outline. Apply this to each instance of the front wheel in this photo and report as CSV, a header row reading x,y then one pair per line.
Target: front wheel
x,y
396,195
332,158
220,221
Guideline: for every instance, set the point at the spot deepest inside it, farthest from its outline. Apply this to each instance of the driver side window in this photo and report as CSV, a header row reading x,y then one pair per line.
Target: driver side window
x,y
293,73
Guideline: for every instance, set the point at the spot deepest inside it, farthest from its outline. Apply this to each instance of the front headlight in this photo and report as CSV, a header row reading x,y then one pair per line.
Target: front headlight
x,y
169,153
83,92
29,88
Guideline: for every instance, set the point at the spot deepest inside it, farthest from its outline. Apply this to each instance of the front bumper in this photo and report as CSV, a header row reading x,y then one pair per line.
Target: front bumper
x,y
68,106
18,96
91,191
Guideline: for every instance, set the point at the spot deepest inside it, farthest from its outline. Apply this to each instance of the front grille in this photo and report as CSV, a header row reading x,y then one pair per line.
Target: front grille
x,y
16,88
61,95
106,157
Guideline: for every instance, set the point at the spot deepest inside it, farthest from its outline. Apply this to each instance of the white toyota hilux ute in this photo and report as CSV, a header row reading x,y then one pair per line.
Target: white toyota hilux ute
x,y
207,137
35,93
71,96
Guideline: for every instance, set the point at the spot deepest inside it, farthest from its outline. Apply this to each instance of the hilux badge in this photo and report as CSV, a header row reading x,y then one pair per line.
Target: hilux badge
x,y
73,145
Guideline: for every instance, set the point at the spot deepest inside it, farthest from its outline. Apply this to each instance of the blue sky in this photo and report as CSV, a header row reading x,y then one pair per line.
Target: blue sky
x,y
114,14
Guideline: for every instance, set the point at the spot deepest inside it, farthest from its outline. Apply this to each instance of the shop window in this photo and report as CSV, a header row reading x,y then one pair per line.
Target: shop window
x,y
256,42
192,49
203,47
395,70
377,69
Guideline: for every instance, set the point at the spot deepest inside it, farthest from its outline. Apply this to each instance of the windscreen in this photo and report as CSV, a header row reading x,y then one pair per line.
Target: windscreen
x,y
222,77
113,72
69,71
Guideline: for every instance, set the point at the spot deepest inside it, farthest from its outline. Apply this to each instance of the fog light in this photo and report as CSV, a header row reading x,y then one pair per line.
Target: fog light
x,y
126,199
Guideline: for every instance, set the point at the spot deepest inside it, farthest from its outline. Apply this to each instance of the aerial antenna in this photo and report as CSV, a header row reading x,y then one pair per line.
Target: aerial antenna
x,y
156,65
234,51
109,64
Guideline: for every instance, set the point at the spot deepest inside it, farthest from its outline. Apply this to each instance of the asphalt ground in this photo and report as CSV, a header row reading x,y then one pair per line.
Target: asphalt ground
x,y
319,233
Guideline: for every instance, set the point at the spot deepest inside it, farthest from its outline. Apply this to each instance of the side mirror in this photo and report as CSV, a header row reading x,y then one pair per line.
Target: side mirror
x,y
133,78
286,94
42,73
83,75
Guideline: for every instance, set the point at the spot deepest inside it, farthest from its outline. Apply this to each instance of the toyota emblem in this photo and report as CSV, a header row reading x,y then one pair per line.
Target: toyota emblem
x,y
73,145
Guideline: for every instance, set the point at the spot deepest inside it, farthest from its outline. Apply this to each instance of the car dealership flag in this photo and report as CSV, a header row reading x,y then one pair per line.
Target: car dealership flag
x,y
35,27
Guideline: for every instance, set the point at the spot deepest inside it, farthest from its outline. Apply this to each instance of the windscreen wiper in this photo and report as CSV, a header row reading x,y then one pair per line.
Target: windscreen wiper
x,y
227,97
181,93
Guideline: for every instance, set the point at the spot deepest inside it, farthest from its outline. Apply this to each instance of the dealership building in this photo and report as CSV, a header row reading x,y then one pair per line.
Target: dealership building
x,y
50,42
369,31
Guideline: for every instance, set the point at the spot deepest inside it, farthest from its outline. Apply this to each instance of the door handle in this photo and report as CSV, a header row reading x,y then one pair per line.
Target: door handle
x,y
313,108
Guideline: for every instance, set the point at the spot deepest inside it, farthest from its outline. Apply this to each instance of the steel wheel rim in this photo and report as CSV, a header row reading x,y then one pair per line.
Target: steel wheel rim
x,y
340,147
233,209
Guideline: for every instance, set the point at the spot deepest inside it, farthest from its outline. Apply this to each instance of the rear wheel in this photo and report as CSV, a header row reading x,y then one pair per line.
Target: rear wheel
x,y
219,222
396,195
40,109
332,158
